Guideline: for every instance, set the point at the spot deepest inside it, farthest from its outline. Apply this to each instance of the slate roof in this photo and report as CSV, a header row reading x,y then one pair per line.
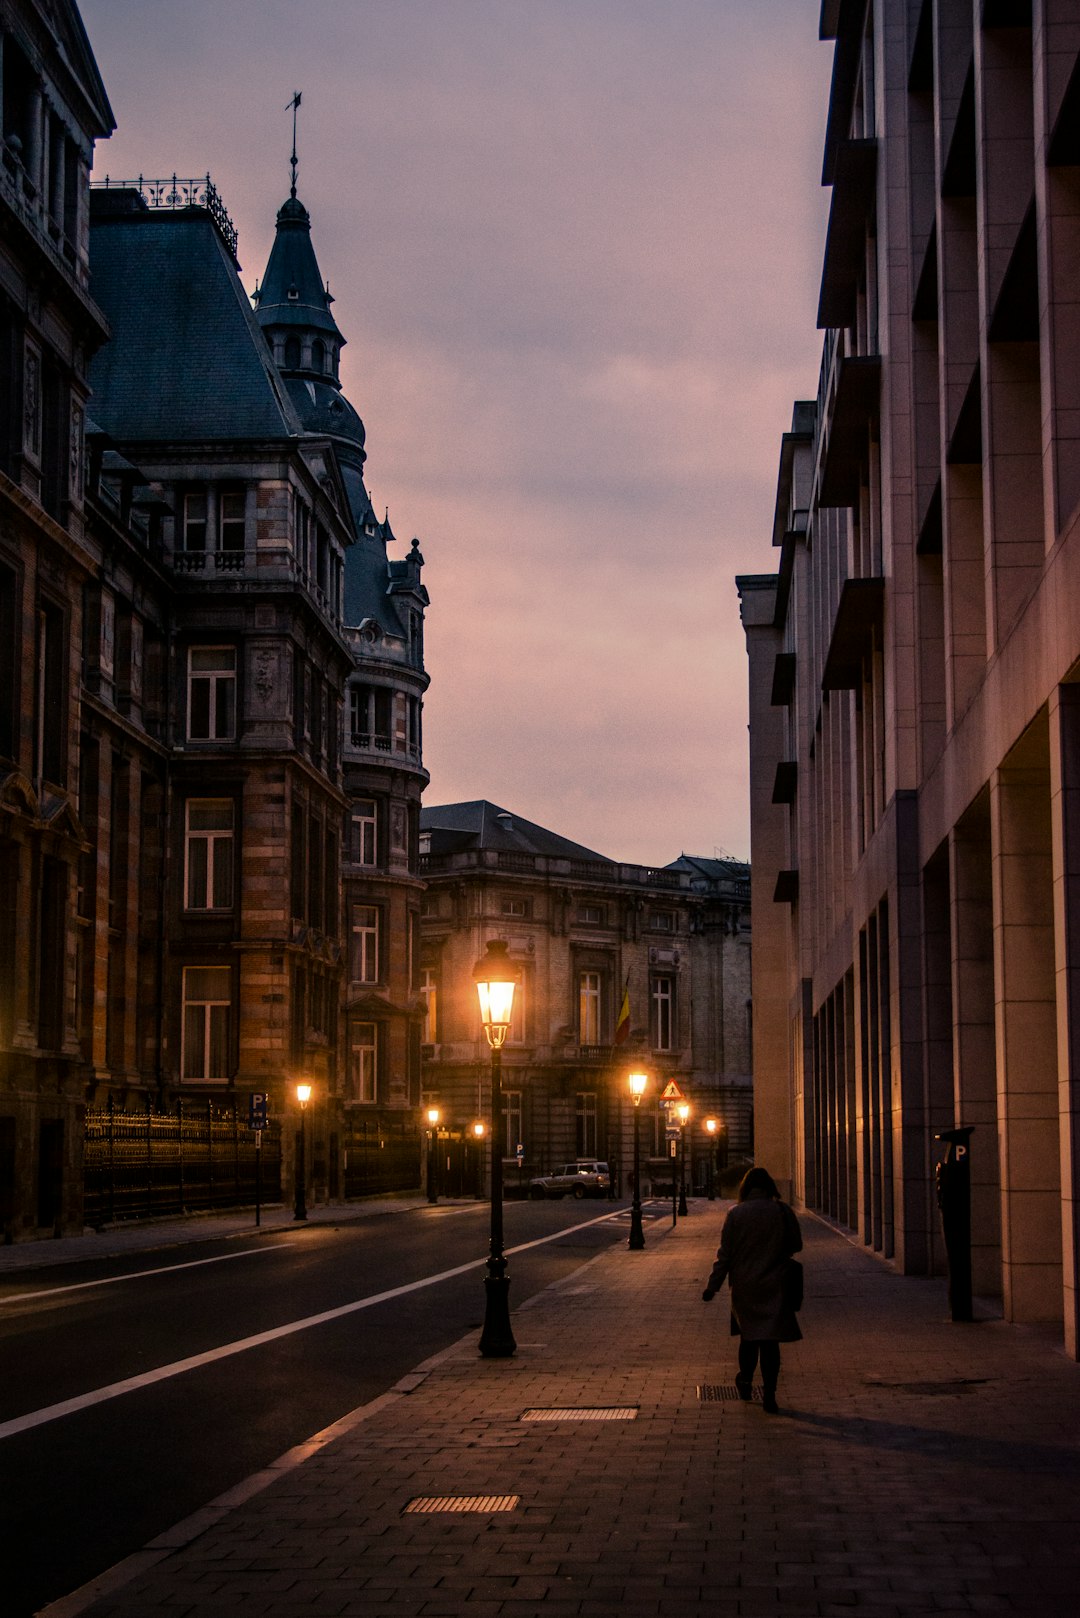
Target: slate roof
x,y
476,825
292,292
716,872
187,360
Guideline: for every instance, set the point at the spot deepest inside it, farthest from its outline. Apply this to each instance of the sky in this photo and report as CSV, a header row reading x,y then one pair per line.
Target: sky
x,y
575,247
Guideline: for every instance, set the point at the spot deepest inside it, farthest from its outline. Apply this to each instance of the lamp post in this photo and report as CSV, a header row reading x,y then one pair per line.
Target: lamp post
x,y
683,1110
479,1130
710,1130
433,1135
638,1082
495,981
303,1095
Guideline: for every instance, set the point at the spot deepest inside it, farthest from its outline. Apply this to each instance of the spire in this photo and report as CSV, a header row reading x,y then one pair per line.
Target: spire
x,y
293,161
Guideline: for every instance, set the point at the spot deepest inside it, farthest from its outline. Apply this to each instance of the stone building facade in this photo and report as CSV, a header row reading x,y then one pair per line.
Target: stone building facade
x,y
195,601
53,107
914,660
581,929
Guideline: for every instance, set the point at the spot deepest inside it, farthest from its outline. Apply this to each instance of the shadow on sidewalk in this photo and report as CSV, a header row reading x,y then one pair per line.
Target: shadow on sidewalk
x,y
965,1449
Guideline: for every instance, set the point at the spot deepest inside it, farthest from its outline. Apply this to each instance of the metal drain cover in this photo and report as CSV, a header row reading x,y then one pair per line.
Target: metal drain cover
x,y
462,1502
586,1413
708,1391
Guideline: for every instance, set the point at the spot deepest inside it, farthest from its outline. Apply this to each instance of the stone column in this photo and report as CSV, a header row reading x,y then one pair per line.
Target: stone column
x,y
1065,811
974,1062
1026,1027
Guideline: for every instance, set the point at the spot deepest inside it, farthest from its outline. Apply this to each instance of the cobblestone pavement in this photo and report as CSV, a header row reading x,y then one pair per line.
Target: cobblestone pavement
x,y
916,1467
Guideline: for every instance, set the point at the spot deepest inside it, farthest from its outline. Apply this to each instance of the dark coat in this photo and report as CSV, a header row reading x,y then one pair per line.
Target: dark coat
x,y
758,1238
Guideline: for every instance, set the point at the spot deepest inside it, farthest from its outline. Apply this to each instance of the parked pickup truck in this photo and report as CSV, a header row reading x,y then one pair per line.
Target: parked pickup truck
x,y
585,1178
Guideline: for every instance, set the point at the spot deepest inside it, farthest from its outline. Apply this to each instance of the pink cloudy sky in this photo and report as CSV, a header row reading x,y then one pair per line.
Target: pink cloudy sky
x,y
575,246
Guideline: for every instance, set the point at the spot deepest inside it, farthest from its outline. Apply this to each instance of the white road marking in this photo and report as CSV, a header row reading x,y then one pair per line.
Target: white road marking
x,y
146,1379
139,1275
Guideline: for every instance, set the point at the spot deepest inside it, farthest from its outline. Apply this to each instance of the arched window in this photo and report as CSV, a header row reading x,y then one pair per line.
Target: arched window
x,y
292,353
318,355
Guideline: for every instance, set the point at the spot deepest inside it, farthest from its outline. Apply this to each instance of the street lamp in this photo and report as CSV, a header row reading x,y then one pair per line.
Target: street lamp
x,y
638,1083
479,1130
495,982
683,1110
303,1095
433,1127
710,1129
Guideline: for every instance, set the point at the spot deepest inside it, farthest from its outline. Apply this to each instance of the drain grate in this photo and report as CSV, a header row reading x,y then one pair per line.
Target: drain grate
x,y
585,1413
425,1503
708,1391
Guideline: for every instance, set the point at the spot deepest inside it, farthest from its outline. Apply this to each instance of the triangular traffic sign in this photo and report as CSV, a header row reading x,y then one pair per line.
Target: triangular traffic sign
x,y
672,1092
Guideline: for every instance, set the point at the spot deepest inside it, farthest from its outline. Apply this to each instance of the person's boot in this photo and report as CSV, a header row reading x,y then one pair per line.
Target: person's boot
x,y
743,1386
768,1401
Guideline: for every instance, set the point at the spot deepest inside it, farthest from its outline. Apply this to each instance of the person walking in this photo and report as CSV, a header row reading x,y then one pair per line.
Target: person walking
x,y
760,1235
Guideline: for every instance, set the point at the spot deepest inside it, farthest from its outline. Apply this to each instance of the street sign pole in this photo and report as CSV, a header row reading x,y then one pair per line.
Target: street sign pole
x,y
258,1178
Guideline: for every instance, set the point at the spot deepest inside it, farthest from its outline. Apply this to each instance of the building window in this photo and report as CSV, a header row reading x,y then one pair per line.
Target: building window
x,y
370,709
429,994
231,520
589,1008
363,1061
662,921
195,516
212,694
516,1033
661,1010
586,1123
365,944
591,915
208,854
365,840
207,1006
512,1114
516,907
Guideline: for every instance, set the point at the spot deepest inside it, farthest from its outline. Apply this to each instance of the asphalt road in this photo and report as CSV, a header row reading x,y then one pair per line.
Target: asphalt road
x,y
83,1486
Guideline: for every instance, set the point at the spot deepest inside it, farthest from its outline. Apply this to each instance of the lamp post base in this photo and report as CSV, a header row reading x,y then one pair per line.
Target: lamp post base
x,y
497,1339
637,1234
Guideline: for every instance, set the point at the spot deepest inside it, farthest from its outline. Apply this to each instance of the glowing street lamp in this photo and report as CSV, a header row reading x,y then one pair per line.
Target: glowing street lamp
x,y
495,981
710,1130
683,1112
433,1135
638,1083
303,1095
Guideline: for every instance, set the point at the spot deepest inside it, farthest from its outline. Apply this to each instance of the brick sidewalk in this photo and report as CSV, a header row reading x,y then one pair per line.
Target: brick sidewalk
x,y
917,1467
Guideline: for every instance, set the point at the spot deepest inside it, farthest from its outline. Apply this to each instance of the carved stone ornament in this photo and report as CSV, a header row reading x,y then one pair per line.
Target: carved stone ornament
x,y
76,452
265,673
32,403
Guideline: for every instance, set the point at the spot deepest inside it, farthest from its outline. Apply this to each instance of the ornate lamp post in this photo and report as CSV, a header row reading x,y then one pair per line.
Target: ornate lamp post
x,y
683,1110
495,981
303,1095
433,1135
479,1130
638,1083
710,1130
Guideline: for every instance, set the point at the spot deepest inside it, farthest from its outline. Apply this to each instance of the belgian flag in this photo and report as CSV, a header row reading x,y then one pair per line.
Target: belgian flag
x,y
622,1026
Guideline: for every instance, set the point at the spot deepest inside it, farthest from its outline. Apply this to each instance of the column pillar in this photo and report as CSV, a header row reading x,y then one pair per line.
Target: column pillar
x,y
974,1060
1026,1028
1065,812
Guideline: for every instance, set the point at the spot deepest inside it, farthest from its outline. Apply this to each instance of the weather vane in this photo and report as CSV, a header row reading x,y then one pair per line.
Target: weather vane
x,y
294,103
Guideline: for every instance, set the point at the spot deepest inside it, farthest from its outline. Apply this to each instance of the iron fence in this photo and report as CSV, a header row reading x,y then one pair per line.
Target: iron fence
x,y
202,1155
378,1155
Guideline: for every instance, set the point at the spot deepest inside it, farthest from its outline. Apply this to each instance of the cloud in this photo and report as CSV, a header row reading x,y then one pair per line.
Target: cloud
x,y
575,247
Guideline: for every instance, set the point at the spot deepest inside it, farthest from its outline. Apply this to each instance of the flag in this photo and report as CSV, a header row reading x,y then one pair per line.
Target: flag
x,y
622,1025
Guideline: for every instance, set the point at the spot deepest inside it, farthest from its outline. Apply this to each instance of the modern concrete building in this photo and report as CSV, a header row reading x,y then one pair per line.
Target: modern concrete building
x,y
581,929
915,726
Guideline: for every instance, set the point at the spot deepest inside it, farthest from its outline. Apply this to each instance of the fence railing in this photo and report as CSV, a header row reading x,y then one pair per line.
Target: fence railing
x,y
202,1155
378,1156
